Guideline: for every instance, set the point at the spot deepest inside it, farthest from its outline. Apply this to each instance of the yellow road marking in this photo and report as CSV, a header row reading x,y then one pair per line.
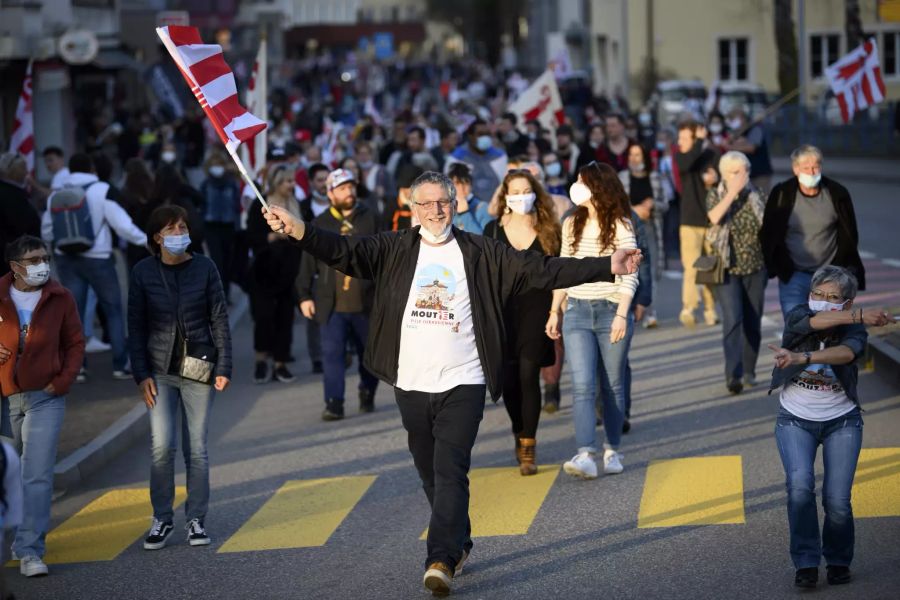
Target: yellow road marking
x,y
705,490
105,527
301,514
502,502
876,486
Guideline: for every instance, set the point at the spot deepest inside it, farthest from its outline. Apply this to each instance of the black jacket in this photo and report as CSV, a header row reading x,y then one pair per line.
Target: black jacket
x,y
151,315
275,264
494,273
691,166
799,336
316,280
775,225
17,217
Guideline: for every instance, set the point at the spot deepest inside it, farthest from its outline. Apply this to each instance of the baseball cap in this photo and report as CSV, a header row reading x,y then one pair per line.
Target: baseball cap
x,y
339,177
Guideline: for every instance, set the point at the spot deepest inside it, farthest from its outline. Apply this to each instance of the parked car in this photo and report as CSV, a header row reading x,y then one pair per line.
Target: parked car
x,y
676,97
738,94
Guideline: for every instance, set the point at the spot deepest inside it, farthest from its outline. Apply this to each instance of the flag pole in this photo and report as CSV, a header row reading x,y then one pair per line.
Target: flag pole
x,y
769,111
246,175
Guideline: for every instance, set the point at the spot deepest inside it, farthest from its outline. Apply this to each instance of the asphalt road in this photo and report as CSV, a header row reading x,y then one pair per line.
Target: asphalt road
x,y
710,529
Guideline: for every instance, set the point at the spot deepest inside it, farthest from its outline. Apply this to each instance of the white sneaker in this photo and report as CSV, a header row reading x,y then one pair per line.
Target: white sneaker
x,y
94,346
582,465
32,566
612,462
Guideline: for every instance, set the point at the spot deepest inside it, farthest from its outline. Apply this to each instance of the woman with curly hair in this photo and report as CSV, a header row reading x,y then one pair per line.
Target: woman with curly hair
x,y
598,320
527,222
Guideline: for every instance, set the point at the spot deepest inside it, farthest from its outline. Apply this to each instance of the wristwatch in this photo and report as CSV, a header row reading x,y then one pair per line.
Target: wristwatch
x,y
808,356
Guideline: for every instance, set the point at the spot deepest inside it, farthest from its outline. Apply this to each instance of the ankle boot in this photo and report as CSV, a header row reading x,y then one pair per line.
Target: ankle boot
x,y
526,455
551,397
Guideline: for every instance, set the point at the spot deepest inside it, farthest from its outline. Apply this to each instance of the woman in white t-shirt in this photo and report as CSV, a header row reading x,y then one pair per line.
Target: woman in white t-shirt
x,y
598,320
816,369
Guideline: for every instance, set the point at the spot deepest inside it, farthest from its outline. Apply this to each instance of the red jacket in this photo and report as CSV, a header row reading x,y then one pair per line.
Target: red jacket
x,y
54,346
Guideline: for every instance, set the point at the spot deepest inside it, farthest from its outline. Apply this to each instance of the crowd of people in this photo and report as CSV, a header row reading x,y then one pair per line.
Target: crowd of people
x,y
514,249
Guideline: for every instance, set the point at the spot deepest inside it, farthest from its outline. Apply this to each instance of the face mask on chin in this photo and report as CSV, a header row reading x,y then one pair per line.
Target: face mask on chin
x,y
809,181
438,239
826,306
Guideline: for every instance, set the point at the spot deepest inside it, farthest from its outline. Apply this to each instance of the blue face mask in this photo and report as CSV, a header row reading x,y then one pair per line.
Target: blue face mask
x,y
176,244
483,142
553,169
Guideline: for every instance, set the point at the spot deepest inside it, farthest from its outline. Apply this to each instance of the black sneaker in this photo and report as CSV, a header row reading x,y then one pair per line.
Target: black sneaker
x,y
261,373
159,533
837,574
197,535
806,578
551,398
626,426
283,375
735,387
334,410
366,400
317,367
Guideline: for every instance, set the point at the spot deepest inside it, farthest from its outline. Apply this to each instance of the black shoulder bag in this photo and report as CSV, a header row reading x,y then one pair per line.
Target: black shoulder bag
x,y
198,361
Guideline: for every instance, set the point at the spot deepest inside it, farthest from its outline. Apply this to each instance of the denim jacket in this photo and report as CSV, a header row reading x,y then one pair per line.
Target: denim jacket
x,y
799,336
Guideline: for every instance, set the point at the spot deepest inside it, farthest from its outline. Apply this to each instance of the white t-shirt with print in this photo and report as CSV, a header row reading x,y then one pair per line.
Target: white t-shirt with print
x,y
815,394
437,339
25,303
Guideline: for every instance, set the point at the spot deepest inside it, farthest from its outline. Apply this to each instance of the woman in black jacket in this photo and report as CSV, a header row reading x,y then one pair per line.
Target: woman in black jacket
x,y
180,346
273,300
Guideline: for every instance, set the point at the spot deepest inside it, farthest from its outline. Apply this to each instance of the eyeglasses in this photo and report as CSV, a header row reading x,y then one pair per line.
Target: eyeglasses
x,y
820,295
433,204
31,262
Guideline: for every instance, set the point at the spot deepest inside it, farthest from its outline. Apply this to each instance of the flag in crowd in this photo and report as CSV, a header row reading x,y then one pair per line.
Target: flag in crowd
x,y
856,80
254,154
22,140
212,83
540,102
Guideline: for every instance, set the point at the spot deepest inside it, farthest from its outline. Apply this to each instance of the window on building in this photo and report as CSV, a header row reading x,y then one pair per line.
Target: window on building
x,y
734,59
824,49
890,48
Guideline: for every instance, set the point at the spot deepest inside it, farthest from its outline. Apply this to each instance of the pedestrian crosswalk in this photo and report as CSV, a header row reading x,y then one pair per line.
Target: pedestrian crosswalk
x,y
690,491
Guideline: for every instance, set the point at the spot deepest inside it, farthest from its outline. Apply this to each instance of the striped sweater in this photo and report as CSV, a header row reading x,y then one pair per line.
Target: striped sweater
x,y
588,246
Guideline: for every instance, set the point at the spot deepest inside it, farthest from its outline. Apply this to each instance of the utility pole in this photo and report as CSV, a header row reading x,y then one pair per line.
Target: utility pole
x,y
626,84
651,58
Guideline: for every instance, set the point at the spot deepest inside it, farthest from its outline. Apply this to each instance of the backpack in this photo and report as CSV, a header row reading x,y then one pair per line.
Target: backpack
x,y
70,215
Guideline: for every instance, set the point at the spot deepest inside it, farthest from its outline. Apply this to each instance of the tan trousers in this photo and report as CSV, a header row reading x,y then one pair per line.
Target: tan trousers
x,y
691,242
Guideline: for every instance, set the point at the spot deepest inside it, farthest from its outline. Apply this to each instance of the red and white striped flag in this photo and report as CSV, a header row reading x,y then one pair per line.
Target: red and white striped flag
x,y
856,80
254,154
540,102
22,140
212,82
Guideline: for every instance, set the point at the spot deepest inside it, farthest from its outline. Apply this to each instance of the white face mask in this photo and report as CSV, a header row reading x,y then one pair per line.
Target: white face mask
x,y
521,203
436,239
36,275
809,181
579,193
168,157
735,124
826,306
217,170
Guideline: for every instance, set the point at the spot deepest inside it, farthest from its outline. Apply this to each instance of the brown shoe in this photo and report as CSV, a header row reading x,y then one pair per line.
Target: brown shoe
x,y
437,579
526,454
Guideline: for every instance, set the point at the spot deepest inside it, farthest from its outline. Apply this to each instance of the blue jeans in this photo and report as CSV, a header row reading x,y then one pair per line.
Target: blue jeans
x,y
36,419
335,332
195,400
590,355
798,441
741,299
795,291
78,273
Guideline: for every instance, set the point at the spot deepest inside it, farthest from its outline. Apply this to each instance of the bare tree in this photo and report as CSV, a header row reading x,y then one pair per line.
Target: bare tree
x,y
853,24
786,43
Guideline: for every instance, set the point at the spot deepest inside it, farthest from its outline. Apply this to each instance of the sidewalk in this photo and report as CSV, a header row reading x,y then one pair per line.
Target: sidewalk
x,y
105,416
882,170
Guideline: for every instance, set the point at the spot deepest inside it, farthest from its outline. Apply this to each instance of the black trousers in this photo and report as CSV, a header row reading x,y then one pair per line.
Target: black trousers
x,y
273,323
522,395
442,429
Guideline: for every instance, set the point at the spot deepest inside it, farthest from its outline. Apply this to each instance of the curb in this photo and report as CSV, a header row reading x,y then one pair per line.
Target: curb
x,y
885,361
119,436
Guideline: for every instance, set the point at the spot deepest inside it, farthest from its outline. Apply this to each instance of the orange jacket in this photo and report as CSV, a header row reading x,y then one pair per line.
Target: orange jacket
x,y
54,346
